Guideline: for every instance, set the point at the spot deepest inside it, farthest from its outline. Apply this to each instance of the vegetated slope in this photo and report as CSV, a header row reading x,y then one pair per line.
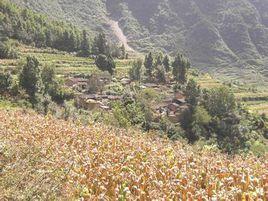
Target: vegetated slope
x,y
33,28
212,33
89,14
47,158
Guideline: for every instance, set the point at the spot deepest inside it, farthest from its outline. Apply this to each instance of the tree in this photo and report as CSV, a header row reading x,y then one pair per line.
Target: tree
x,y
48,77
105,63
148,63
135,71
177,62
160,74
180,67
29,78
123,51
192,93
166,63
5,82
219,102
85,47
159,60
100,45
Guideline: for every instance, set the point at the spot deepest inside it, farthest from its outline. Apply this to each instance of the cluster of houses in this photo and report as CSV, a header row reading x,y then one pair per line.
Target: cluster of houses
x,y
93,100
172,107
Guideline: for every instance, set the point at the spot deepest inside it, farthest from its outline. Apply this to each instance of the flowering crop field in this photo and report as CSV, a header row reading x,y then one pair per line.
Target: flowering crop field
x,y
43,158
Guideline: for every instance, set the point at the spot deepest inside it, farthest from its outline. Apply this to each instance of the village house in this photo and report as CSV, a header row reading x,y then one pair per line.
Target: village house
x,y
95,101
77,84
179,98
173,107
125,81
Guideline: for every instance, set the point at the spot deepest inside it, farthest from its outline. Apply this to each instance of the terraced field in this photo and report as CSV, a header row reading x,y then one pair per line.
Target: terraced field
x,y
64,63
254,96
256,99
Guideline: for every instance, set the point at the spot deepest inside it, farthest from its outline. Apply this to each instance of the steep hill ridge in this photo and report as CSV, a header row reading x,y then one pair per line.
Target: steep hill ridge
x,y
213,34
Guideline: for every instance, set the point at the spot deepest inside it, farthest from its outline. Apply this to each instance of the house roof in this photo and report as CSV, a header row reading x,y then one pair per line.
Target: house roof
x,y
179,95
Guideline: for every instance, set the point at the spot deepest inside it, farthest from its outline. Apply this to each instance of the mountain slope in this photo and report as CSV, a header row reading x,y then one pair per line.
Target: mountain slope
x,y
217,33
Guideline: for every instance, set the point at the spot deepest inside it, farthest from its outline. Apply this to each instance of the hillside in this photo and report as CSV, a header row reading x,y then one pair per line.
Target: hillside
x,y
214,34
46,158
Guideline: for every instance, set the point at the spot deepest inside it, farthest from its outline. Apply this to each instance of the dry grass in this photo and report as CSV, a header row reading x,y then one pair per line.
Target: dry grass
x,y
43,158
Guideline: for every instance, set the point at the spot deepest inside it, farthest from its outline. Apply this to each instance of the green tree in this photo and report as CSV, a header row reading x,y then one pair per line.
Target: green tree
x,y
160,74
85,46
135,71
105,63
48,77
219,102
5,82
180,67
100,45
166,63
159,60
148,64
123,51
192,92
29,78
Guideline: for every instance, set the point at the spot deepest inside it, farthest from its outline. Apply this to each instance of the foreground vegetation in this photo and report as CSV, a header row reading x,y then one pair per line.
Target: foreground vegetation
x,y
47,158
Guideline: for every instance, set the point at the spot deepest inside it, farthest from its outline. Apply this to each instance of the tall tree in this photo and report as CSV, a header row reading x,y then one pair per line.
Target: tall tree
x,y
159,60
29,78
135,71
85,47
48,77
160,74
148,64
100,45
166,63
180,67
192,93
123,51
